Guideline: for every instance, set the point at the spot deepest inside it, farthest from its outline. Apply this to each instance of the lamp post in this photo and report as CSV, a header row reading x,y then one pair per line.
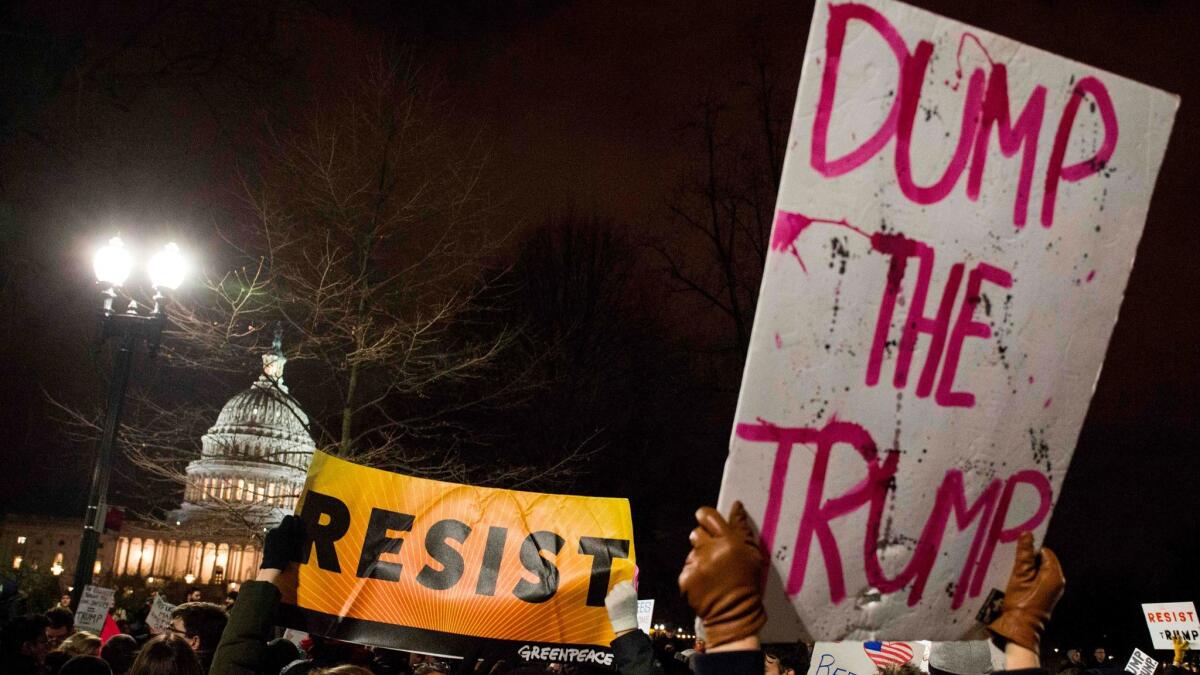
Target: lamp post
x,y
112,264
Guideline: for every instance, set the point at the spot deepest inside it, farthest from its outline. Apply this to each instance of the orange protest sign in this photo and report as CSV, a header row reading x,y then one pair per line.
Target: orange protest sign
x,y
429,566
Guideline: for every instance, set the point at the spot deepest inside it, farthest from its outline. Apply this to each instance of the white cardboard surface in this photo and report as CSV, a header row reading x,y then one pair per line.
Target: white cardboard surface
x,y
927,484
93,607
1168,619
853,658
1140,663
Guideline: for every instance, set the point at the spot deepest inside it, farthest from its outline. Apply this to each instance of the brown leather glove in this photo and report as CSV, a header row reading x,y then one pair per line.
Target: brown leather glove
x,y
722,577
1034,587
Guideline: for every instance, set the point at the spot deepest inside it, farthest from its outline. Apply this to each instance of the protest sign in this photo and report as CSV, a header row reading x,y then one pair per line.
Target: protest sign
x,y
1140,663
864,658
160,615
429,566
645,615
956,223
93,607
1167,620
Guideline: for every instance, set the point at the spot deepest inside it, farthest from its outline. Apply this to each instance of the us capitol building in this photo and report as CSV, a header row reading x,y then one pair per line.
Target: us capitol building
x,y
251,469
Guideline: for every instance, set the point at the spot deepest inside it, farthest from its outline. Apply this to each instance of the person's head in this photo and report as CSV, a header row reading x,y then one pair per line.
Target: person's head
x,y
699,645
86,665
350,670
167,655
82,643
24,639
65,600
1100,655
904,669
194,595
1074,657
230,599
785,659
62,624
200,624
281,652
119,652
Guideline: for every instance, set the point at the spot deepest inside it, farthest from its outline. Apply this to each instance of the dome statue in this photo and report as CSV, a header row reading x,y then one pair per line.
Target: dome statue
x,y
255,457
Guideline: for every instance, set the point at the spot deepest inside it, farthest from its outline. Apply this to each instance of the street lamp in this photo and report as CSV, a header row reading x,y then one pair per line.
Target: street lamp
x,y
112,265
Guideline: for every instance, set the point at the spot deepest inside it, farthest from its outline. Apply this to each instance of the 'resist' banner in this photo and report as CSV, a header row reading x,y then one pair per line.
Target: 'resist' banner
x,y
433,567
956,223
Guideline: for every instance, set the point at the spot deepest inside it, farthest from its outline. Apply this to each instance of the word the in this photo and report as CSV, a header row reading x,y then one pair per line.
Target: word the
x,y
987,513
378,541
986,104
901,248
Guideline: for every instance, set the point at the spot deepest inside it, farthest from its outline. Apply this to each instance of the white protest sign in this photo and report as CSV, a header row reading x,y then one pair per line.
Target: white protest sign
x,y
956,223
1169,619
160,615
864,658
1140,663
93,607
645,614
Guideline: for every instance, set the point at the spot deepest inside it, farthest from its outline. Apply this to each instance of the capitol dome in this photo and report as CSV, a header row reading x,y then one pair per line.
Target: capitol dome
x,y
255,457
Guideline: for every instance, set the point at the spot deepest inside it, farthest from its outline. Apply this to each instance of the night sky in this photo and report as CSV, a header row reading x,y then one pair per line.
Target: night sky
x,y
137,115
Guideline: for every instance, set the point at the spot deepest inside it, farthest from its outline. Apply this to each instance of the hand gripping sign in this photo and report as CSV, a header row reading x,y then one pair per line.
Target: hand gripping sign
x,y
428,566
956,223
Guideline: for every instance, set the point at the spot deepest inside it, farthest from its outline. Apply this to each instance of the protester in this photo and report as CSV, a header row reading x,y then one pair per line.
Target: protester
x,y
786,659
62,624
633,653
167,654
194,595
23,645
1074,664
200,624
82,643
119,652
722,581
86,665
1100,658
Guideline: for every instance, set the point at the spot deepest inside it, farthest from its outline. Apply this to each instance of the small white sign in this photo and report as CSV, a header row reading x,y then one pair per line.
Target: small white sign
x,y
1169,619
93,607
1140,663
645,614
160,615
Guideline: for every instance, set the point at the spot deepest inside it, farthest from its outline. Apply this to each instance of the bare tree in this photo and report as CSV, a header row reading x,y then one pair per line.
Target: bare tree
x,y
361,231
725,201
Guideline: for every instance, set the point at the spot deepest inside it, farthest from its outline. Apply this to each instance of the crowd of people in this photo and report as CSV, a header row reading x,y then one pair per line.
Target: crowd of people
x,y
721,581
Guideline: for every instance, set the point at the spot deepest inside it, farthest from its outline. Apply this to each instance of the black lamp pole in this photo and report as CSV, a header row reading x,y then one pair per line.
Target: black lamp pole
x,y
130,327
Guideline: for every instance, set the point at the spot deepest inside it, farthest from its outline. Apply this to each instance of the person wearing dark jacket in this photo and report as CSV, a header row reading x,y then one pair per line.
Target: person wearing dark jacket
x,y
242,649
722,582
633,654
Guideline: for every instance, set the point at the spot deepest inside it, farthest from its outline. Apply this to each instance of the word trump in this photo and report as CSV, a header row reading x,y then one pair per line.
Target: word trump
x,y
327,521
988,513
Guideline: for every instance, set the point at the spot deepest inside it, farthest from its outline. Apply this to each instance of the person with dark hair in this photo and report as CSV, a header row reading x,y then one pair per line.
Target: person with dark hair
x,y
23,645
62,624
200,624
194,595
86,665
119,652
785,659
167,654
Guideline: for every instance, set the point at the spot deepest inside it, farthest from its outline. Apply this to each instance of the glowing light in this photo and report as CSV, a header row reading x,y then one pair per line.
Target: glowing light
x,y
17,560
96,568
112,262
20,540
167,268
189,577
56,569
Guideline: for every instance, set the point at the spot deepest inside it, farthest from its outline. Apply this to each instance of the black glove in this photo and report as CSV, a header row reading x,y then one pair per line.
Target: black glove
x,y
282,544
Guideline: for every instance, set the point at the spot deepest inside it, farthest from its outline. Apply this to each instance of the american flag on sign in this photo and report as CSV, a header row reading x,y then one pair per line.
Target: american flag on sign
x,y
885,654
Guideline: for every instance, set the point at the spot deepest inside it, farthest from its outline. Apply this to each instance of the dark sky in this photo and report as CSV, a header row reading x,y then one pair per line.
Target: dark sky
x,y
138,115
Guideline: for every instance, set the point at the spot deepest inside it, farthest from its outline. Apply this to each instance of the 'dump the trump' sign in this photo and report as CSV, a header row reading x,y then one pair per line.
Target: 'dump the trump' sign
x,y
956,223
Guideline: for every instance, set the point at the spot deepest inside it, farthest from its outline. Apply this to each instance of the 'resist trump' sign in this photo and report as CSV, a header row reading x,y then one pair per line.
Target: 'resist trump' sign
x,y
956,223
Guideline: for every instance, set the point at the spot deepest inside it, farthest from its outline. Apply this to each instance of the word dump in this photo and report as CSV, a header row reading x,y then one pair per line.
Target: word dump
x,y
985,106
909,409
327,520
